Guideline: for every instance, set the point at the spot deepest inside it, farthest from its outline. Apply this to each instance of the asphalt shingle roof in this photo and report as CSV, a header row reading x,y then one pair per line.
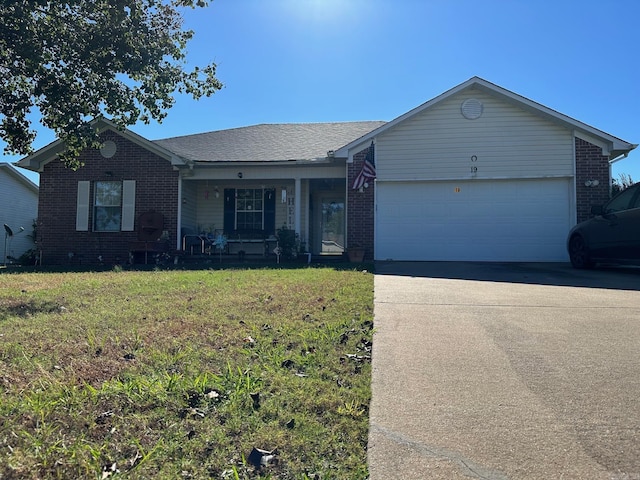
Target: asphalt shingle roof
x,y
268,142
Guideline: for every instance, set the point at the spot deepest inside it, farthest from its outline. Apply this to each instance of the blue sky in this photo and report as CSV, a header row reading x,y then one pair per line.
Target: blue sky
x,y
343,60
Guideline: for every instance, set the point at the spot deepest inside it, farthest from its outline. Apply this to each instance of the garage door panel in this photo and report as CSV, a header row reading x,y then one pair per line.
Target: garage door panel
x,y
525,220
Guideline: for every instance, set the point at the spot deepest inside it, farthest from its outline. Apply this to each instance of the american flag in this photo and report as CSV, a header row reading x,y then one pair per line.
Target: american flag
x,y
368,171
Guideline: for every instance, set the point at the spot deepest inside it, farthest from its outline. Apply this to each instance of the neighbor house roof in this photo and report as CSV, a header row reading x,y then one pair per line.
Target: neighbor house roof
x,y
268,142
13,172
612,146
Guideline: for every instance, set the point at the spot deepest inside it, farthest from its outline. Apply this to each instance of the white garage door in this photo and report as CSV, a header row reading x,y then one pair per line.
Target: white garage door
x,y
510,220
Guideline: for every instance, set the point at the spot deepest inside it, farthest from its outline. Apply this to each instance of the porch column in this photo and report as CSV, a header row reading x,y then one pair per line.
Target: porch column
x,y
179,219
298,205
307,216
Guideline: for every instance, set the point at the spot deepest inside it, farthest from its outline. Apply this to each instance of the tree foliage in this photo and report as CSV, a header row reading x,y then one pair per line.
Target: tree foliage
x,y
77,60
621,183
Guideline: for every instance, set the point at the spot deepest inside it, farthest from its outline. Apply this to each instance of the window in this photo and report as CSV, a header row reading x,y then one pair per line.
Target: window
x,y
113,206
107,207
249,209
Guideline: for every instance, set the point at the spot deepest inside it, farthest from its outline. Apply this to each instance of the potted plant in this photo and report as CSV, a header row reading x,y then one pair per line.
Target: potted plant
x,y
287,242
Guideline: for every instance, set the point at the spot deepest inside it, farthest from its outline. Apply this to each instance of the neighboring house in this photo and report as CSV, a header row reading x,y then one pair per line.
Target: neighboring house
x,y
478,173
18,210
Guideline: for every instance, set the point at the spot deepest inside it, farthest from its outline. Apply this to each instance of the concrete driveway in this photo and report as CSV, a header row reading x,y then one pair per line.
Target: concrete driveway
x,y
505,371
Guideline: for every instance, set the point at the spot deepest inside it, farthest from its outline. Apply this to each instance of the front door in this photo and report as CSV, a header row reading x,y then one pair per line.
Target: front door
x,y
331,236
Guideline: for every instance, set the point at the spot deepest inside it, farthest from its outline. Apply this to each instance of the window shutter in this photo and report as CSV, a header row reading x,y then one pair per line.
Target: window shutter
x,y
270,211
128,205
229,210
82,206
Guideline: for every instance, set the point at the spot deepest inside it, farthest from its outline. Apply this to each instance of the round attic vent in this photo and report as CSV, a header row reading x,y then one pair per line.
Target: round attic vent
x,y
108,149
471,108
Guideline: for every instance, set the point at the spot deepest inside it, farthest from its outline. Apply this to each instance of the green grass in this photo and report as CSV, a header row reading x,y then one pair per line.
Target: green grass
x,y
180,374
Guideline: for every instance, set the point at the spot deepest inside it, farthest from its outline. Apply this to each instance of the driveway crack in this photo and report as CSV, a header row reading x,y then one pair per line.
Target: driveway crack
x,y
467,466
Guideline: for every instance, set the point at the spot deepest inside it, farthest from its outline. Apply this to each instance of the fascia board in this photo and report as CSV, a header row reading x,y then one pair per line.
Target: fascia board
x,y
617,146
596,136
15,173
37,160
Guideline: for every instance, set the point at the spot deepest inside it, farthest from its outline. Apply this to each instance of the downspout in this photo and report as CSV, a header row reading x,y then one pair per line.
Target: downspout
x,y
347,205
573,202
375,200
618,158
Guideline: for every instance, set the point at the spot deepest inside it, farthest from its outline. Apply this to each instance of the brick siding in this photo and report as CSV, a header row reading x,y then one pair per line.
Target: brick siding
x,y
590,165
360,208
156,189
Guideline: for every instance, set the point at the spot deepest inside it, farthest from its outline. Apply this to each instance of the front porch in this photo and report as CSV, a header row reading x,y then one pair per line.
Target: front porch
x,y
247,217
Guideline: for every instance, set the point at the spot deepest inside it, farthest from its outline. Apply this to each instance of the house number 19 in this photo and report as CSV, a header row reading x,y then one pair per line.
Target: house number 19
x,y
474,169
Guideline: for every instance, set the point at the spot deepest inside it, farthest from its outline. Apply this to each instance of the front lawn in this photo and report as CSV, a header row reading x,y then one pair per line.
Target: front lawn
x,y
181,374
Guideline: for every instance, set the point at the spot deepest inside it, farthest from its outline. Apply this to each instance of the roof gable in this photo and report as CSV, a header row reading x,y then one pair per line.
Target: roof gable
x,y
14,173
37,160
611,145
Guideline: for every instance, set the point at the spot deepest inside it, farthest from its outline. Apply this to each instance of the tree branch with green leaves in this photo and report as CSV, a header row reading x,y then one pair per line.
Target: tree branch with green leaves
x,y
78,60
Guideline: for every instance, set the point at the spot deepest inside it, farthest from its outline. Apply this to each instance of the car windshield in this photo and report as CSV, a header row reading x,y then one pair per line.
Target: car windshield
x,y
636,202
622,201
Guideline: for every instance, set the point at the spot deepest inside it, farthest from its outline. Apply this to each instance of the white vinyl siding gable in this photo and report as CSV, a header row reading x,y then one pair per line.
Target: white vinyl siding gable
x,y
508,142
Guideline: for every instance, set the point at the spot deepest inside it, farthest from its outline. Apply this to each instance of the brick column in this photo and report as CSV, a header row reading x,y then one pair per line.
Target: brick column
x,y
590,165
360,208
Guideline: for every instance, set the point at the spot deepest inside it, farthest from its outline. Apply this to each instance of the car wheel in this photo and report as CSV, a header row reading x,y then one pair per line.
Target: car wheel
x,y
579,253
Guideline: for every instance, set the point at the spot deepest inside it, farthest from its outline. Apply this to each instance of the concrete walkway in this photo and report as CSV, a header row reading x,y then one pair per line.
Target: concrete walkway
x,y
505,371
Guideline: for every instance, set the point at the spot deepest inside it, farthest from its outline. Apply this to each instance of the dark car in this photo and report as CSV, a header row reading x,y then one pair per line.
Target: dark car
x,y
612,235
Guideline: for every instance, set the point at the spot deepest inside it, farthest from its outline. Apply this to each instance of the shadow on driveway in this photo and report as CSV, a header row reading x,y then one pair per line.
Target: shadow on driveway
x,y
561,274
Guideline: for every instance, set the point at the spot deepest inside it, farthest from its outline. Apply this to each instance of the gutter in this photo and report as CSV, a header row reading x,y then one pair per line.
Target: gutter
x,y
625,154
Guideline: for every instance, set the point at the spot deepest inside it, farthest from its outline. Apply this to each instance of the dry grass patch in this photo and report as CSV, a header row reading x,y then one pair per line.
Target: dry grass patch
x,y
174,374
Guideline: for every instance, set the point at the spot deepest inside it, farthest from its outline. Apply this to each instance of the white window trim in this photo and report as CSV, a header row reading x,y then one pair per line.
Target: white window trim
x,y
128,205
84,205
247,211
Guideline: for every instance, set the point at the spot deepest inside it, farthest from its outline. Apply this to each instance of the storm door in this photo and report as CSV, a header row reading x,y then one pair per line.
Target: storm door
x,y
332,226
